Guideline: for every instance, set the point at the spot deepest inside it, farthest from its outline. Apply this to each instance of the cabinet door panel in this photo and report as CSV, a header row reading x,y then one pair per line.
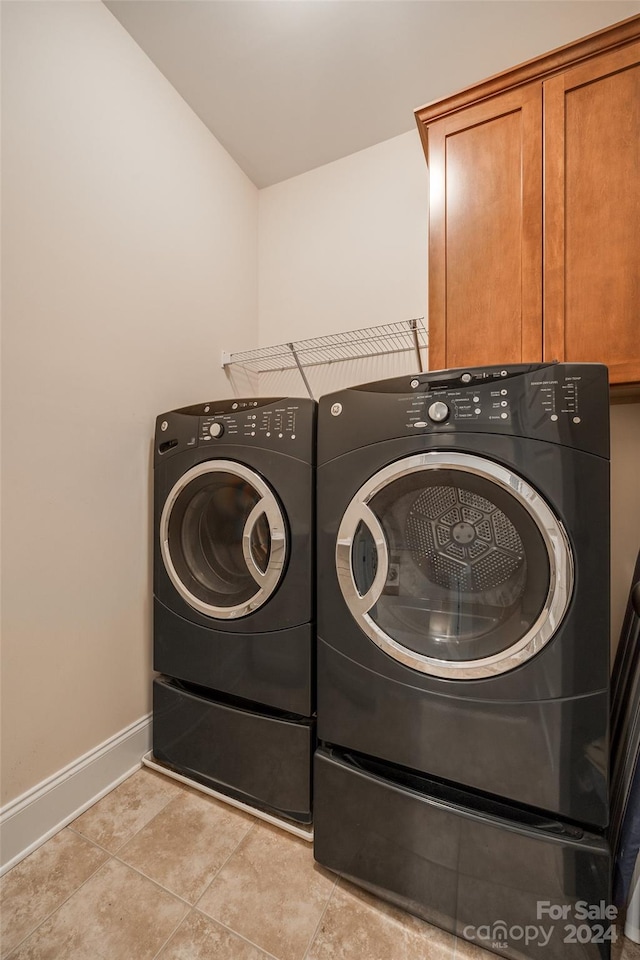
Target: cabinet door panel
x,y
485,236
592,214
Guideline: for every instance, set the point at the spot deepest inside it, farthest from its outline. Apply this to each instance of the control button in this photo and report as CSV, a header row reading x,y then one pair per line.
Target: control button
x,y
503,403
438,411
477,411
164,425
576,419
234,406
503,393
216,430
476,399
554,416
207,408
420,423
466,378
414,384
503,373
504,416
336,409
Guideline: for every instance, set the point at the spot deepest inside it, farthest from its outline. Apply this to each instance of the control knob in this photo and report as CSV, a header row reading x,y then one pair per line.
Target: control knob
x,y
438,411
216,430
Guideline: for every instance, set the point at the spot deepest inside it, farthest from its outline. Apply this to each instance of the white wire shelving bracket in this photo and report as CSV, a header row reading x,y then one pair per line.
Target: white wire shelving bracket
x,y
400,337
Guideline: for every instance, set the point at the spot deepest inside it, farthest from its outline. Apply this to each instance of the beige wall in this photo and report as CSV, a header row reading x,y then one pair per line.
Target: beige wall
x,y
130,253
344,247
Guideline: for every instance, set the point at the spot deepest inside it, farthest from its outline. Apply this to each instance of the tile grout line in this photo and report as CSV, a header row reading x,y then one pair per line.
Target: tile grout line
x,y
165,943
241,936
156,883
223,865
115,856
111,857
114,853
172,893
94,843
144,825
60,905
320,919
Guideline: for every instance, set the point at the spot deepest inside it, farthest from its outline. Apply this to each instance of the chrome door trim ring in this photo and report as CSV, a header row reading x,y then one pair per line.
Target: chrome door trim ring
x,y
268,579
269,506
247,552
556,541
362,603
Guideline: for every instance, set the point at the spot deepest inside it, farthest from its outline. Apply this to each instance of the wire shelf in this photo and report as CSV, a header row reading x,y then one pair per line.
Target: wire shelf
x,y
400,337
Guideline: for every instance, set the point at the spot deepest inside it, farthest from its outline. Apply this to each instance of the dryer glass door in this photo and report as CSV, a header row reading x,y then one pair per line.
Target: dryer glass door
x,y
454,565
223,539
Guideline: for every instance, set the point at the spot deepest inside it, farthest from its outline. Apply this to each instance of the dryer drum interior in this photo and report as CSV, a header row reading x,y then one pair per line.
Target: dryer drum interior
x,y
223,539
454,565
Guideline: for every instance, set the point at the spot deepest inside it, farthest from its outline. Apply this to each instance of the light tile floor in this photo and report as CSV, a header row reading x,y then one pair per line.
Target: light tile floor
x,y
157,870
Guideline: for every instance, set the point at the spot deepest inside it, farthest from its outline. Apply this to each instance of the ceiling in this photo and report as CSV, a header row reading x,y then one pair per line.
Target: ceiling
x,y
289,85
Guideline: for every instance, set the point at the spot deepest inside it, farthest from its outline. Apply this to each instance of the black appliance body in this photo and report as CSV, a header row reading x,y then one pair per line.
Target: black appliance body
x,y
233,598
463,646
624,830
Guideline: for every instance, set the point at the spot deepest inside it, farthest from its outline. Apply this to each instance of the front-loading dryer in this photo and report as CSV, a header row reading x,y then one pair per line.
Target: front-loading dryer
x,y
463,636
233,597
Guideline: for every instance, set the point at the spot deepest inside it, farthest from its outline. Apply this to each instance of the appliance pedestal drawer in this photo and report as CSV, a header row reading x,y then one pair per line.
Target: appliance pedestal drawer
x,y
491,873
262,758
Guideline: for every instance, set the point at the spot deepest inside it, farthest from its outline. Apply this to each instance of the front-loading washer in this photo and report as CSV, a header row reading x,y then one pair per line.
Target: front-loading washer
x,y
463,639
233,598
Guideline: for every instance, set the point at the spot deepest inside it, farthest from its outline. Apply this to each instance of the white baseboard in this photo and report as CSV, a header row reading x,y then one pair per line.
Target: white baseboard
x,y
31,819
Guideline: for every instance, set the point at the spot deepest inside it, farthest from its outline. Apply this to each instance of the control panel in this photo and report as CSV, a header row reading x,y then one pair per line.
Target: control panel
x,y
282,424
564,403
246,421
490,398
487,401
558,397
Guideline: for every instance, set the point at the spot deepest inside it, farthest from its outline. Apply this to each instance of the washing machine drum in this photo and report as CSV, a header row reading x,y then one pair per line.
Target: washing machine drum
x,y
465,542
454,565
223,539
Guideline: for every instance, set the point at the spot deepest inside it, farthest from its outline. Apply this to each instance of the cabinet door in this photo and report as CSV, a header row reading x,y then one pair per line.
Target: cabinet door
x,y
592,213
485,232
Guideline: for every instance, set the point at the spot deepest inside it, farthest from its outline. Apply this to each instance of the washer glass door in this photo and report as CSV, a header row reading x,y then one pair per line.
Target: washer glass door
x,y
223,539
454,565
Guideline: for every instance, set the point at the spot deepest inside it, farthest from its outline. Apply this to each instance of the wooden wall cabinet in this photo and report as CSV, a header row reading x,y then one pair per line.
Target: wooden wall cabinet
x,y
534,222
